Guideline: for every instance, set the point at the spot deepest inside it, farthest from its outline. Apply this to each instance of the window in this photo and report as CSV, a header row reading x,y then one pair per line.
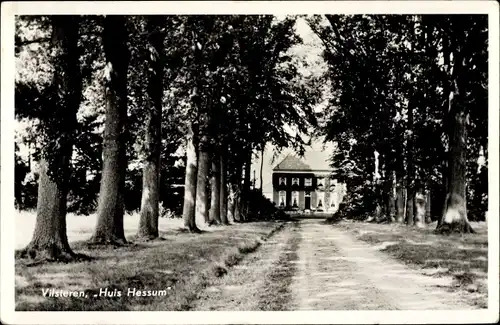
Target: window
x,y
282,195
282,180
308,194
321,181
321,200
295,199
332,200
308,182
295,181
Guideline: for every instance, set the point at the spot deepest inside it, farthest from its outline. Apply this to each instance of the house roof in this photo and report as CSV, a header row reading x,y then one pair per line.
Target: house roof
x,y
313,160
291,162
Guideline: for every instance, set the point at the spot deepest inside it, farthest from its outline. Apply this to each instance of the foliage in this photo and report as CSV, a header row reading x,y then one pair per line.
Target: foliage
x,y
242,82
262,209
380,67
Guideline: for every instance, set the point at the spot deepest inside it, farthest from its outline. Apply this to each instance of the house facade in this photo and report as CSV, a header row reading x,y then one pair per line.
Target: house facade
x,y
299,185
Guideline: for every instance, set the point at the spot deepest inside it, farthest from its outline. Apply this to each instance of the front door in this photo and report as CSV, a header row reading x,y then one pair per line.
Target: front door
x,y
307,203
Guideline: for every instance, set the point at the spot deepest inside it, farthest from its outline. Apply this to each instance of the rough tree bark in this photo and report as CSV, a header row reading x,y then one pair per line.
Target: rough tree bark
x,y
49,239
236,191
400,204
455,209
230,204
109,228
410,175
148,223
391,197
261,169
399,183
223,192
237,203
446,91
428,196
202,202
245,192
454,218
419,219
189,207
376,188
214,214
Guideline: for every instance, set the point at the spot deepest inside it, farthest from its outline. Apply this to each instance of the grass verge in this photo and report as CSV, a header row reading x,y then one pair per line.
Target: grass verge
x,y
462,257
277,294
169,274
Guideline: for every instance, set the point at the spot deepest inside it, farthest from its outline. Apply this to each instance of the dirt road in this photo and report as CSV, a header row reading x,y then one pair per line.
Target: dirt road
x,y
312,266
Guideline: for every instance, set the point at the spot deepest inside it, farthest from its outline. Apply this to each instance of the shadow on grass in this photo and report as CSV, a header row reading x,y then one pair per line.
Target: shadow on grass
x,y
177,269
445,257
278,294
83,249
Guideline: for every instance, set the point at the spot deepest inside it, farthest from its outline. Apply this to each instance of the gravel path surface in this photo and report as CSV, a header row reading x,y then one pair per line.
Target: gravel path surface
x,y
312,266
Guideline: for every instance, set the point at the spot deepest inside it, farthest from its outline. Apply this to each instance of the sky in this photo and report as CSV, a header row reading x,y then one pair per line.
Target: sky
x,y
311,51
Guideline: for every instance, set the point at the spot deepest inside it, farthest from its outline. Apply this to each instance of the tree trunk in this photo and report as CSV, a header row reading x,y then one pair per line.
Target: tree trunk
x,y
109,228
410,207
230,204
391,196
189,207
410,176
376,188
428,196
261,169
49,239
223,192
243,200
202,201
455,207
447,105
419,220
235,194
214,214
148,224
236,204
400,184
400,204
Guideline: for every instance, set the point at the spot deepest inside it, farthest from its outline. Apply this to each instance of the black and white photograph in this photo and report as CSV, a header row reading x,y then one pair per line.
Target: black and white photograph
x,y
334,160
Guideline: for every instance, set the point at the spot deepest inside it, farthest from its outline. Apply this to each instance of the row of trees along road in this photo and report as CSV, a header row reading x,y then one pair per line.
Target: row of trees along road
x,y
105,96
409,96
107,101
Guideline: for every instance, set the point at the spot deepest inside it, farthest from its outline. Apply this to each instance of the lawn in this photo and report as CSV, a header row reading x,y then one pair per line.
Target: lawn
x,y
462,257
174,269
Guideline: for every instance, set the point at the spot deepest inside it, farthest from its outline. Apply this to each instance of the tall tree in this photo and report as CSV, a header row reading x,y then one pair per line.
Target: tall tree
x,y
202,203
190,189
58,119
261,176
462,41
410,172
223,191
148,224
215,183
212,42
110,211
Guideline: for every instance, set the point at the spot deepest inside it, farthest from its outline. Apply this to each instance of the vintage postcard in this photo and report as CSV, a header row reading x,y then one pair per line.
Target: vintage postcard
x,y
249,162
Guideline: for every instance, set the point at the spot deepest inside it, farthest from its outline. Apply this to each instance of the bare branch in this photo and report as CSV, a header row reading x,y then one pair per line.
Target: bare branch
x,y
20,42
